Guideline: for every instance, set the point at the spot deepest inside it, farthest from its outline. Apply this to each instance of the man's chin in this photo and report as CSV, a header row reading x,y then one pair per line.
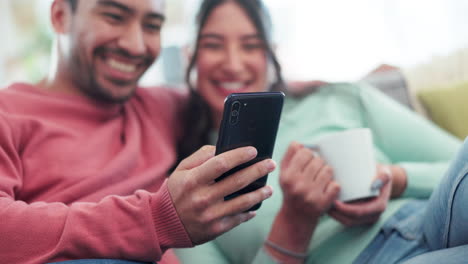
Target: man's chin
x,y
111,94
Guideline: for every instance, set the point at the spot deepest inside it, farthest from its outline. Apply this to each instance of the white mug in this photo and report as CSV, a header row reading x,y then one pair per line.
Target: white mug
x,y
351,155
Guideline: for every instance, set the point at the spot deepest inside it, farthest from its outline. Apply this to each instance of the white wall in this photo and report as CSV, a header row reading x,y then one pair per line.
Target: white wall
x,y
333,40
340,40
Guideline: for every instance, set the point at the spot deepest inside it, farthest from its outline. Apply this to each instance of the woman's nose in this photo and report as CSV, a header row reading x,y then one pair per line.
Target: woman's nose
x,y
233,60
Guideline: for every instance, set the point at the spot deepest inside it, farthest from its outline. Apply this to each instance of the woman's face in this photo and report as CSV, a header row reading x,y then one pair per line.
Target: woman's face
x,y
231,57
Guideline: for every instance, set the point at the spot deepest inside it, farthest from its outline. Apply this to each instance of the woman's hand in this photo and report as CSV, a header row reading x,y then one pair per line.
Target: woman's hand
x,y
307,183
309,190
368,211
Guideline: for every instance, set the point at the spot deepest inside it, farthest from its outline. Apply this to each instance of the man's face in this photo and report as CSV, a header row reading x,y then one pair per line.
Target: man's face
x,y
111,44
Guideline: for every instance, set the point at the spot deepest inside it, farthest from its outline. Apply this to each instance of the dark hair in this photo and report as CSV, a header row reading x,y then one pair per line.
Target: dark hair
x,y
73,4
197,117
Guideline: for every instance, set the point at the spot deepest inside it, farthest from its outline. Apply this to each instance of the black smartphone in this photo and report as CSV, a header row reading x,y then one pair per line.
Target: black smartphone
x,y
250,119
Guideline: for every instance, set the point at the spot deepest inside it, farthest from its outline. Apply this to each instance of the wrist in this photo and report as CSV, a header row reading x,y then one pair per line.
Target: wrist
x,y
399,181
290,231
298,216
291,256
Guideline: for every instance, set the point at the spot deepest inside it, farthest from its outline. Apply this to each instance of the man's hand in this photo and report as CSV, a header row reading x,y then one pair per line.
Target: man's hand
x,y
199,200
365,212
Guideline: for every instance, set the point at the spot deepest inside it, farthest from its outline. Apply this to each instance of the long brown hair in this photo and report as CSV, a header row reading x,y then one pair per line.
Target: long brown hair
x,y
197,117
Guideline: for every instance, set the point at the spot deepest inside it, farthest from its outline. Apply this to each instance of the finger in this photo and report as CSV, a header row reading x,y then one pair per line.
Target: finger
x,y
346,221
361,209
383,176
243,202
350,221
314,167
242,178
315,150
197,158
292,149
219,164
332,190
385,191
323,174
300,160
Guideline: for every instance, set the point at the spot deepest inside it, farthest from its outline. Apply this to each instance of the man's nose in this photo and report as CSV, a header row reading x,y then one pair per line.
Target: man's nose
x,y
133,41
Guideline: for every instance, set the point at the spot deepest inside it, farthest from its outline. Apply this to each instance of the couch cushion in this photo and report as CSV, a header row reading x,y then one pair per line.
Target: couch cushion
x,y
448,107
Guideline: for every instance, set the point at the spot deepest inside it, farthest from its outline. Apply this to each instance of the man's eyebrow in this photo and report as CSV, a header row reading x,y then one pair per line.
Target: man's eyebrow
x,y
126,9
158,16
115,4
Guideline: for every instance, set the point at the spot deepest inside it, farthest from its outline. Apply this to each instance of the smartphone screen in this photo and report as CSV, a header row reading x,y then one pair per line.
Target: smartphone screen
x,y
250,119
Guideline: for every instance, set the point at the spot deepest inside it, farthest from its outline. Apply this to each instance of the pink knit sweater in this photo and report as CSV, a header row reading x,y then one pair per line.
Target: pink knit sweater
x,y
80,181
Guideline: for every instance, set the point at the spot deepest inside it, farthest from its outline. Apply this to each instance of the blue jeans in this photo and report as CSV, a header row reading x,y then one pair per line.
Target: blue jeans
x,y
427,232
99,261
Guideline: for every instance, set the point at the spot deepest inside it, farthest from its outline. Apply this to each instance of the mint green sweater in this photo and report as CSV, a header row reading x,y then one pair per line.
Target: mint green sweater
x,y
400,137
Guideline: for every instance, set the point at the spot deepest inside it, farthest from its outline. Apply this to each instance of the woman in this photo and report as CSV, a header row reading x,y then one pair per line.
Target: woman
x,y
233,53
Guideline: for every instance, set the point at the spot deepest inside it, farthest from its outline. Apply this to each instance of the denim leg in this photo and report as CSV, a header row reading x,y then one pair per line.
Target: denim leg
x,y
455,255
99,261
446,216
400,237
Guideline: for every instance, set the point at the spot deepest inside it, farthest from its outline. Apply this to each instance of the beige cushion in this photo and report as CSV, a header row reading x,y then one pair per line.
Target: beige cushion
x,y
448,107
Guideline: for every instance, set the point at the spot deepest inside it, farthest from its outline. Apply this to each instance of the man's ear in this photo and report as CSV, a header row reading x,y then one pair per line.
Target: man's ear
x,y
61,16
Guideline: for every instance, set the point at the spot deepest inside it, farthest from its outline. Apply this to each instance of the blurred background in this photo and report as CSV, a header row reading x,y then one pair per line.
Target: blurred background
x,y
332,40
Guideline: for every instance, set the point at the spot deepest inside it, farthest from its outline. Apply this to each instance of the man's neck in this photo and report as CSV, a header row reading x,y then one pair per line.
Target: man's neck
x,y
58,81
54,83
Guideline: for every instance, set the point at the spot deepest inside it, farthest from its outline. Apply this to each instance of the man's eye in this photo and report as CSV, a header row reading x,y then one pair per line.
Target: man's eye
x,y
153,27
113,17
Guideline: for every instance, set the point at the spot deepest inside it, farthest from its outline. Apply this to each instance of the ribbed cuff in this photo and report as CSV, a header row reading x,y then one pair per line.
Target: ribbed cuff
x,y
169,228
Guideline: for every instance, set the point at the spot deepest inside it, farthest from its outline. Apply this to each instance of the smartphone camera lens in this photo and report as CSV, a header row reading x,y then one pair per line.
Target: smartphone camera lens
x,y
235,110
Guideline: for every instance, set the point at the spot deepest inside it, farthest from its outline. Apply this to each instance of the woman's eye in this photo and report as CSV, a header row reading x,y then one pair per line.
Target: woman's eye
x,y
212,46
252,46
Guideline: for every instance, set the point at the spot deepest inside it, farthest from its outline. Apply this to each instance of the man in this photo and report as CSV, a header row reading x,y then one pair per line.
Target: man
x,y
84,153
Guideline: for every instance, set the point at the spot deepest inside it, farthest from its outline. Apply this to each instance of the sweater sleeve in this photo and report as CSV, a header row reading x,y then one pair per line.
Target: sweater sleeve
x,y
409,140
138,227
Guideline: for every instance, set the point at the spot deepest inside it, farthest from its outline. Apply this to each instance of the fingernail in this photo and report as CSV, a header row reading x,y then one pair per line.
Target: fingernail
x,y
251,151
270,165
377,184
315,154
251,215
268,191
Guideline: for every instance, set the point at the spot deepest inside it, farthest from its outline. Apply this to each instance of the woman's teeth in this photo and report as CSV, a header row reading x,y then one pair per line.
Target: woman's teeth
x,y
232,86
123,67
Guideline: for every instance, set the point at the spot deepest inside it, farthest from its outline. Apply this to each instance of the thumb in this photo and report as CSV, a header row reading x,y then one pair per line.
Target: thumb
x,y
384,176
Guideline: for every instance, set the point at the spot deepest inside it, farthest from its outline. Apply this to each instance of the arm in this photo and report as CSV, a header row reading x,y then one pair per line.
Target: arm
x,y
295,223
309,190
418,151
139,226
186,210
413,144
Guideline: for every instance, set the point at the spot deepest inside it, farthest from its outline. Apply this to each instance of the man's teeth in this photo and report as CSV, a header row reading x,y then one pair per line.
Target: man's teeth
x,y
123,67
231,86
